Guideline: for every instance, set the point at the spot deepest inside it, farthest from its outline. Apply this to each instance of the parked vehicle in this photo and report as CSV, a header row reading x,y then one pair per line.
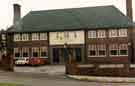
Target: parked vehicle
x,y
22,61
36,61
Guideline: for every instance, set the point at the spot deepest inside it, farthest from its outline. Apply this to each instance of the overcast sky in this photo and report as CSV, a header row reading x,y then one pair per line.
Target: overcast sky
x,y
6,7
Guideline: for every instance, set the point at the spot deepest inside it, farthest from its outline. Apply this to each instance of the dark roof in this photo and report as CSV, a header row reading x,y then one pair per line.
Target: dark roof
x,y
74,19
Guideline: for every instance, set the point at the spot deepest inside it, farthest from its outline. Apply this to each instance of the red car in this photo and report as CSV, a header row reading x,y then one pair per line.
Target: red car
x,y
36,61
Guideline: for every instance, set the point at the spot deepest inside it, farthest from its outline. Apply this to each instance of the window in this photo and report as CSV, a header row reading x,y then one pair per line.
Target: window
x,y
43,36
113,49
3,37
17,52
43,52
123,49
101,34
101,50
35,36
122,32
25,52
92,50
92,34
17,37
113,33
25,37
35,52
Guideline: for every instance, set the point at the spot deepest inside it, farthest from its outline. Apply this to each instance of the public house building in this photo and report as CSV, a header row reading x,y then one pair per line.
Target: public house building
x,y
100,34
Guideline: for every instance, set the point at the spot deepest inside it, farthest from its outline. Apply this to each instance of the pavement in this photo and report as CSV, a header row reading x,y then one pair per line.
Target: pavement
x,y
50,79
103,79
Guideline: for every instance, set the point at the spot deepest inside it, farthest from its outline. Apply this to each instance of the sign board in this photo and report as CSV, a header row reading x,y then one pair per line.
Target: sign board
x,y
69,37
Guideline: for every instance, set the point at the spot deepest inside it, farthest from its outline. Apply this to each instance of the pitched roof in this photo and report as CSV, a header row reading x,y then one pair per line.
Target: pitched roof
x,y
74,19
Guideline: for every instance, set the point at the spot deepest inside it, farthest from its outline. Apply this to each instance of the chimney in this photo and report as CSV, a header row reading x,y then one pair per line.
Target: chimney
x,y
17,13
129,9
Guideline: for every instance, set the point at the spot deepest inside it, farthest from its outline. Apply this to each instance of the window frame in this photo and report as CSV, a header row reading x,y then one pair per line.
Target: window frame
x,y
100,33
25,50
94,49
43,36
35,36
112,32
123,32
37,49
101,47
44,48
25,37
117,49
17,37
126,48
92,34
17,50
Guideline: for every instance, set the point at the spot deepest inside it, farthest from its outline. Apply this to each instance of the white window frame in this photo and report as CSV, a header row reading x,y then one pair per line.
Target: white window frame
x,y
92,47
35,49
17,37
92,34
25,37
3,36
35,36
101,47
101,34
123,32
44,49
17,50
123,49
113,33
43,36
110,48
24,49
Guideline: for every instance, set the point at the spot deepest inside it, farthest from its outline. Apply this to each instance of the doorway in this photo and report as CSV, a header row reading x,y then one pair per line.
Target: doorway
x,y
59,55
56,57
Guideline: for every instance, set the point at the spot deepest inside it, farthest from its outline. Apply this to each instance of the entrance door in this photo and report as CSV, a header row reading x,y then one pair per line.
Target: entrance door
x,y
56,55
78,54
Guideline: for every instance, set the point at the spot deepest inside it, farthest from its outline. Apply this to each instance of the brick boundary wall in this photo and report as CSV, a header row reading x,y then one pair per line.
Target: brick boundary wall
x,y
121,70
